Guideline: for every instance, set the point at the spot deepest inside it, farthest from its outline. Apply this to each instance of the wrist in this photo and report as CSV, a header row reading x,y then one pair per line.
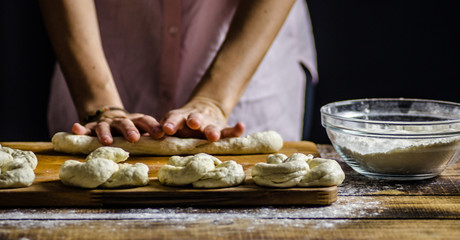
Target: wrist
x,y
96,114
211,103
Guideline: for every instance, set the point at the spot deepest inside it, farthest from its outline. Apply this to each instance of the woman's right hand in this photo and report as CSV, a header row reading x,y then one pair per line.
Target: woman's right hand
x,y
115,122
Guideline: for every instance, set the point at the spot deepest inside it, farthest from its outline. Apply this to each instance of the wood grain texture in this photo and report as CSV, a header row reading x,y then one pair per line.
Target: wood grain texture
x,y
235,229
365,209
48,191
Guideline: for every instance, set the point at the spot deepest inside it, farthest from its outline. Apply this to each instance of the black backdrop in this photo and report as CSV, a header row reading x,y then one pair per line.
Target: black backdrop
x,y
390,48
365,49
26,65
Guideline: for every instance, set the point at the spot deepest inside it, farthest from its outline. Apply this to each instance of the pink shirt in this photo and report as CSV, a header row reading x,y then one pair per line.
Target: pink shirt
x,y
159,50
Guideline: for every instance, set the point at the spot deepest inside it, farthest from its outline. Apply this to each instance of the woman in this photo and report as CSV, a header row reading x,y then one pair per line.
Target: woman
x,y
185,68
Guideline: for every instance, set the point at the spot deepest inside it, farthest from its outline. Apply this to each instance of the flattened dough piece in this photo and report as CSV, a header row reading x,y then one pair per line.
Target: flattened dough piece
x,y
181,171
323,173
261,142
18,155
298,170
202,171
16,174
89,174
226,174
16,167
128,175
280,170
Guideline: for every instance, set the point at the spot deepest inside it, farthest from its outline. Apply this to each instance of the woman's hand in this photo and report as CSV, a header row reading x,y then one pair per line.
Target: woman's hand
x,y
130,125
200,118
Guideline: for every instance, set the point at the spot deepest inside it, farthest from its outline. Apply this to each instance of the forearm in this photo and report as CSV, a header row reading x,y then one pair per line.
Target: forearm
x,y
253,29
74,32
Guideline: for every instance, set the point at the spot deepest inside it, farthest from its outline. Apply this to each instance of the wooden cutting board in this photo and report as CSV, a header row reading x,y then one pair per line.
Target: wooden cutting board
x,y
48,191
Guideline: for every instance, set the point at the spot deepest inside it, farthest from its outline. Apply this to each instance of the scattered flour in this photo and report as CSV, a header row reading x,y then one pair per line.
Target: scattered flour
x,y
329,216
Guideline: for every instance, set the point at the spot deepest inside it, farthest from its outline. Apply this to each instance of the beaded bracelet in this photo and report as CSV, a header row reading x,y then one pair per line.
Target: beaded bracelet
x,y
95,116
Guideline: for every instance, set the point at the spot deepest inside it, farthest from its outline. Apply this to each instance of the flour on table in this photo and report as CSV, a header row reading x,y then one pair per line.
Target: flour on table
x,y
16,167
202,171
100,169
298,170
261,142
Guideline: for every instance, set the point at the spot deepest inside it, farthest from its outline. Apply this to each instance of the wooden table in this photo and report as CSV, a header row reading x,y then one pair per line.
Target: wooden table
x,y
365,209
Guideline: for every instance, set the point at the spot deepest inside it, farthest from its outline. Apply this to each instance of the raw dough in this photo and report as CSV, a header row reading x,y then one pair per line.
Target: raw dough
x,y
202,171
16,167
89,174
128,175
323,173
261,142
297,170
226,174
101,169
280,170
112,153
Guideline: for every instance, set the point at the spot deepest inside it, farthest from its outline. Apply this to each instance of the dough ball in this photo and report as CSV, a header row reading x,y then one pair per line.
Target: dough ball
x,y
128,175
16,168
202,171
279,172
323,173
226,174
89,174
112,153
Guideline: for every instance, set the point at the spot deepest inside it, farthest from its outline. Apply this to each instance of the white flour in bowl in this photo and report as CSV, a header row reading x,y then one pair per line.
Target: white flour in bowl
x,y
398,156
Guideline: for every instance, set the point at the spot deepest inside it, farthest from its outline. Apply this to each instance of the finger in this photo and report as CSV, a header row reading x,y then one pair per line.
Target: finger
x,y
194,121
212,133
150,125
235,131
173,123
127,129
103,133
79,129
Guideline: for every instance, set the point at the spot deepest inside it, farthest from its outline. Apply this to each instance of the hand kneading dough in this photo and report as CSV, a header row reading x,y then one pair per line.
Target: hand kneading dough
x,y
16,167
261,142
101,169
298,170
202,171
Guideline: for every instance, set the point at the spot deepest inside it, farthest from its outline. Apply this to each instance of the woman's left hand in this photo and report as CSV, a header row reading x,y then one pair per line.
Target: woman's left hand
x,y
200,118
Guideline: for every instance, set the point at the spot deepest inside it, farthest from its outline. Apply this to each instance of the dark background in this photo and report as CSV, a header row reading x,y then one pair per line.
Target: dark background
x,y
365,49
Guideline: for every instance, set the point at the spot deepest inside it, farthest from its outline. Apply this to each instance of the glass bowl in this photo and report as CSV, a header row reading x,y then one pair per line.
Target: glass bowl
x,y
395,139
